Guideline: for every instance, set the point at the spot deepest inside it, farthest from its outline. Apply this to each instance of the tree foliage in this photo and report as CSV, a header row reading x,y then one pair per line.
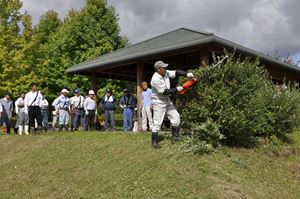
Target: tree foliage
x,y
42,53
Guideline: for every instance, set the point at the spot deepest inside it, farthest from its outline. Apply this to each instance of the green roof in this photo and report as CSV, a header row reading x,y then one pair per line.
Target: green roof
x,y
175,40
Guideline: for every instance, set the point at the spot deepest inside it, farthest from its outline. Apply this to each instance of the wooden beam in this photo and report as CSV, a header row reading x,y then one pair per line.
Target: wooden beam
x,y
204,57
139,79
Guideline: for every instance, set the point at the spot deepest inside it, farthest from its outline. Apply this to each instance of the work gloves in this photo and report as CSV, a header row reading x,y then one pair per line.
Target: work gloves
x,y
190,75
86,112
179,88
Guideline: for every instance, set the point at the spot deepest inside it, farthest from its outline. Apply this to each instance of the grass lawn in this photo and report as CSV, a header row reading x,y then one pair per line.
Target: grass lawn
x,y
123,165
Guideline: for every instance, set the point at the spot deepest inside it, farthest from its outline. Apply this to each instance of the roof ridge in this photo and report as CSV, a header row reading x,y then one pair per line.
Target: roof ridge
x,y
141,42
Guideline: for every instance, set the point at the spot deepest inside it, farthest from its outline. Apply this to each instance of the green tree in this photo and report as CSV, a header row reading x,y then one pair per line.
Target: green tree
x,y
84,34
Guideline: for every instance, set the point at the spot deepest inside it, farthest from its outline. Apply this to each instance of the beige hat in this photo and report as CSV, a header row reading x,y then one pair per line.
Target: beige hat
x,y
91,92
64,91
160,64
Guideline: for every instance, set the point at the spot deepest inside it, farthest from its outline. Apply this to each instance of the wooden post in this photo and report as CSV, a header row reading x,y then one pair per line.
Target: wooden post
x,y
139,79
94,81
204,57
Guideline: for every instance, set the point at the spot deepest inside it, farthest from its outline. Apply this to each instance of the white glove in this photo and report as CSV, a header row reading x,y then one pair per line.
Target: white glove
x,y
190,75
26,111
86,112
179,88
121,106
135,109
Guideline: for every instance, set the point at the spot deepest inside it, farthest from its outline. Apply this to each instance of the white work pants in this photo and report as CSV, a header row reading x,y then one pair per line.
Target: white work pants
x,y
159,111
147,117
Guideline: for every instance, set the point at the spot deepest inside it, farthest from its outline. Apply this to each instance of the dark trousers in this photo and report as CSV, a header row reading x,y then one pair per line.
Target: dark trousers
x,y
109,119
34,113
90,120
5,119
79,115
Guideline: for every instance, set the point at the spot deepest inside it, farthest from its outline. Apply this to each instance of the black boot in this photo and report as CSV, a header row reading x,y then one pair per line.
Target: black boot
x,y
66,127
175,133
154,140
16,130
60,127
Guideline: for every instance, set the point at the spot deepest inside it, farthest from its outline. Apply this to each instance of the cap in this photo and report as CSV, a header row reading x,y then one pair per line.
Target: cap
x,y
125,90
64,91
91,92
77,90
160,64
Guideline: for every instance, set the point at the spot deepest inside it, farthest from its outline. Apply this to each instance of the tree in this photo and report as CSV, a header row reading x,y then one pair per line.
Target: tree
x,y
84,34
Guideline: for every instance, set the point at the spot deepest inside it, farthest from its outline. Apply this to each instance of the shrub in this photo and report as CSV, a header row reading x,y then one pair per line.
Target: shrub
x,y
236,100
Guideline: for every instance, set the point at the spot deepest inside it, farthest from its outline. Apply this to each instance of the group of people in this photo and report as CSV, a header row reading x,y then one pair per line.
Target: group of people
x,y
32,108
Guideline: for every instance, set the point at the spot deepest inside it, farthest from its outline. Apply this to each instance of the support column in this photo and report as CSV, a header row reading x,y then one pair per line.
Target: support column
x,y
94,81
139,79
204,57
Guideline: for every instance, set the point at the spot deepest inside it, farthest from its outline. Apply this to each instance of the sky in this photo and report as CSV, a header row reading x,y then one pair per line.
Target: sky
x,y
268,26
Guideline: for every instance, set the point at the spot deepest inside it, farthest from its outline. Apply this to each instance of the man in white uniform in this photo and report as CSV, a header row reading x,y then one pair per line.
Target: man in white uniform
x,y
23,119
161,91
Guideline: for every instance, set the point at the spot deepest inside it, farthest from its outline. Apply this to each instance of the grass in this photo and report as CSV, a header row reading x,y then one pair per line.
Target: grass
x,y
123,165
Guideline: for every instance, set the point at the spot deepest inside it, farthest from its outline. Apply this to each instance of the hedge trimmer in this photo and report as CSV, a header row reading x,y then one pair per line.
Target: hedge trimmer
x,y
189,84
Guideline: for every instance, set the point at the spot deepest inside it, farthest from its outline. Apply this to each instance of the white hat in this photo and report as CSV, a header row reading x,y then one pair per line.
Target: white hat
x,y
64,91
91,92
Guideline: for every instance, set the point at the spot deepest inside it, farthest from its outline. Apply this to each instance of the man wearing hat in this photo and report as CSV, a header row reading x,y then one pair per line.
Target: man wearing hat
x,y
162,105
45,111
109,106
32,101
62,104
127,103
7,106
23,119
77,104
90,107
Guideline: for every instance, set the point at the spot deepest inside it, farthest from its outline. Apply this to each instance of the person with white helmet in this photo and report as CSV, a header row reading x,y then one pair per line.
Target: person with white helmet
x,y
90,107
62,103
161,102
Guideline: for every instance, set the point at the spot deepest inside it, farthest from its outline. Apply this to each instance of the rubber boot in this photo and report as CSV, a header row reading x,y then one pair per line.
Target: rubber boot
x,y
60,127
26,129
16,130
20,129
8,130
175,133
154,140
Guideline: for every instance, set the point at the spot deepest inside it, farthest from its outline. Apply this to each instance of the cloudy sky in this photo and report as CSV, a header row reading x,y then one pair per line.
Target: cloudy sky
x,y
263,25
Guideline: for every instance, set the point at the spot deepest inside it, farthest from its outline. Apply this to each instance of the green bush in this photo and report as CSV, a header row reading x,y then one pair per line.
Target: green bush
x,y
236,101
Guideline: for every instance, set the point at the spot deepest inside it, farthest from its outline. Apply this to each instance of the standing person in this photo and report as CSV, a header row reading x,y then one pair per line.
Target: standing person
x,y
23,119
109,106
32,103
62,104
54,113
77,104
161,102
127,103
44,112
145,107
90,107
7,106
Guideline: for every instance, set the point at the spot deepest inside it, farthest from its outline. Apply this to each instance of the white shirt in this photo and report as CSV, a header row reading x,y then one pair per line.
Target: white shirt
x,y
77,101
29,98
89,104
20,102
159,84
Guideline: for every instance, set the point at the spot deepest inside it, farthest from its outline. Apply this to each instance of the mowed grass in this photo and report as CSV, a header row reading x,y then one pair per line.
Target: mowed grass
x,y
123,165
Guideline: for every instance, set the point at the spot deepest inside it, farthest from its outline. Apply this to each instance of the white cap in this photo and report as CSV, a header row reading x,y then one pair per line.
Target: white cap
x,y
91,92
64,91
